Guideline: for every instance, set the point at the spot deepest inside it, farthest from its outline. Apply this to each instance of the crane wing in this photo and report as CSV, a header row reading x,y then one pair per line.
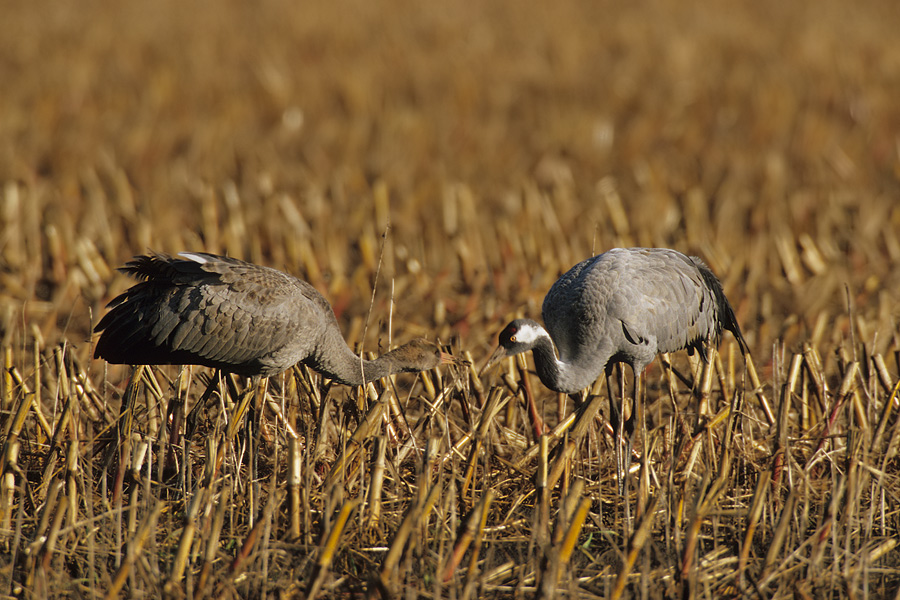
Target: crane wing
x,y
663,299
215,311
632,303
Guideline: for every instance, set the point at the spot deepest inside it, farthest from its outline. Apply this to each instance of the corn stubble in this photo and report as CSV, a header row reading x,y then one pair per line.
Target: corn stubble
x,y
423,198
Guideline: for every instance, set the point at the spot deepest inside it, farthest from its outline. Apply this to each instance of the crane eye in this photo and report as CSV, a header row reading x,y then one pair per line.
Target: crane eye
x,y
512,338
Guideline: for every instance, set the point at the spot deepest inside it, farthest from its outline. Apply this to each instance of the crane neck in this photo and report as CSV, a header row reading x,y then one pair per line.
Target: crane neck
x,y
335,360
558,375
347,367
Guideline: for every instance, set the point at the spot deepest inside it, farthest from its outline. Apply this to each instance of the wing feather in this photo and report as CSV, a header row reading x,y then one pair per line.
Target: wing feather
x,y
634,303
211,310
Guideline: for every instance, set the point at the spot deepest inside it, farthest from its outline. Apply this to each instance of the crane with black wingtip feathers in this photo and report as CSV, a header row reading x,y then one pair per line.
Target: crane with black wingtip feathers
x,y
625,305
242,318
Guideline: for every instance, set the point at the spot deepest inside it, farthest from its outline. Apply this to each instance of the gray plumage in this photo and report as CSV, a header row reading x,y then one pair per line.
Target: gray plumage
x,y
625,305
240,317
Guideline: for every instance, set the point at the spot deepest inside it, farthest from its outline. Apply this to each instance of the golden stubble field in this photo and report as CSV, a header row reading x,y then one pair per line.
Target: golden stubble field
x,y
432,169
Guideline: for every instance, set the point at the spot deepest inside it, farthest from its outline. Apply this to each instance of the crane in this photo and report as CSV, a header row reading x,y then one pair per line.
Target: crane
x,y
625,305
238,317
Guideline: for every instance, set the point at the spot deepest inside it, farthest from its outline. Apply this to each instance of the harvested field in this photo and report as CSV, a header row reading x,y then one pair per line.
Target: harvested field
x,y
432,169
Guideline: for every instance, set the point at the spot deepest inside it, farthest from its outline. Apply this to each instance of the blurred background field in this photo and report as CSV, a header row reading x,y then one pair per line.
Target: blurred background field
x,y
467,154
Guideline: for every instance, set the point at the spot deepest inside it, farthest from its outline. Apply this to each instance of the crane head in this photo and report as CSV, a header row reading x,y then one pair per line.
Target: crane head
x,y
519,336
420,355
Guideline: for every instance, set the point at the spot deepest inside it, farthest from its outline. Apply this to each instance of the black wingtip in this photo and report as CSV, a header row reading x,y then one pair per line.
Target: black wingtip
x,y
726,316
146,266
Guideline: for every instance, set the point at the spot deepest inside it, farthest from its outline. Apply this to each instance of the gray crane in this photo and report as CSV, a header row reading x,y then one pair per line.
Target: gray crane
x,y
623,306
238,317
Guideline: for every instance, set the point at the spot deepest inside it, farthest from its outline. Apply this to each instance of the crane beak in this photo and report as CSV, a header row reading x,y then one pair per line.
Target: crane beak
x,y
449,359
498,355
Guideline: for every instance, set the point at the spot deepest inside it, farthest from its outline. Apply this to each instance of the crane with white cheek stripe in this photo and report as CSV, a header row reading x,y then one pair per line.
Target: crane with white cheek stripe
x,y
625,305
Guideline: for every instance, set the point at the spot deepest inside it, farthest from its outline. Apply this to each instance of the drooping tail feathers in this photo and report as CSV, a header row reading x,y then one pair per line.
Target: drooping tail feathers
x,y
725,313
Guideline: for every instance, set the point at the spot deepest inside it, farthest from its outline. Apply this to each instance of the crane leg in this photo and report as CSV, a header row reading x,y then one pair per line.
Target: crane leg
x,y
254,437
623,428
172,475
191,421
629,428
617,420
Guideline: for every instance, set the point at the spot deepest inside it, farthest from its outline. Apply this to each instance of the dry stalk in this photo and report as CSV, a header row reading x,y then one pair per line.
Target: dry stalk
x,y
474,529
779,537
570,520
635,545
135,549
756,508
883,421
7,397
185,542
251,541
707,501
294,481
487,417
212,545
377,483
417,512
347,464
758,390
